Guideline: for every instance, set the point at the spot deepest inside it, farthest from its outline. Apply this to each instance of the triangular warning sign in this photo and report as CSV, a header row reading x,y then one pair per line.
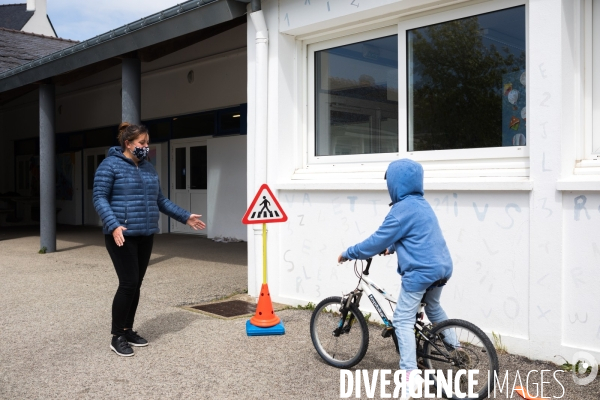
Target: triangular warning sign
x,y
264,208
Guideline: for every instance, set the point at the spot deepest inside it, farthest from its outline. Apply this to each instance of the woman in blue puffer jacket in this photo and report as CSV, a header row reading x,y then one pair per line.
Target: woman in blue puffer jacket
x,y
128,198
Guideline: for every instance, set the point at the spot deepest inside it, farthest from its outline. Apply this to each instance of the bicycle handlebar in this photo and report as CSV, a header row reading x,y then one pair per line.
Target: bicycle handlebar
x,y
368,260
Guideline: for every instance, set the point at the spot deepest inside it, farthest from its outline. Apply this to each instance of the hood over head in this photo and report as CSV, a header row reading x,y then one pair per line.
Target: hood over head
x,y
116,151
404,178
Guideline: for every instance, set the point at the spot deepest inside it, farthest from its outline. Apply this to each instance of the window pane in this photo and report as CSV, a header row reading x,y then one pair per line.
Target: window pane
x,y
595,78
158,131
90,172
356,96
101,137
194,125
230,121
180,168
76,141
198,167
21,168
466,82
27,168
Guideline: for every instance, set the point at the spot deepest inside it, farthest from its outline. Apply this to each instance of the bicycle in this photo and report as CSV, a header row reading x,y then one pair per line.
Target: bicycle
x,y
342,344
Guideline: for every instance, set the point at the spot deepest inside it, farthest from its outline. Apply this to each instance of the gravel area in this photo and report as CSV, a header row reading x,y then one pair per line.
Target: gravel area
x,y
55,329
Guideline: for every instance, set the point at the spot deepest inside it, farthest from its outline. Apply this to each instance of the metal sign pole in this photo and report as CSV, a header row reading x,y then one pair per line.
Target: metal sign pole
x,y
264,237
264,209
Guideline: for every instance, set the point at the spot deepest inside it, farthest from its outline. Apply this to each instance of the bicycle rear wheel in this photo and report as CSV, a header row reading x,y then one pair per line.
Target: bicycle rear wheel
x,y
340,336
475,352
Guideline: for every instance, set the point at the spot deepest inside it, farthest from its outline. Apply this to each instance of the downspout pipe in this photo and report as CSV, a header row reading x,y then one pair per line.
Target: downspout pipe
x,y
260,127
261,88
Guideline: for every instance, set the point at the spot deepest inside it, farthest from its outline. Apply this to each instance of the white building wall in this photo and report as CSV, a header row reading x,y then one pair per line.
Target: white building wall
x,y
219,81
226,185
525,254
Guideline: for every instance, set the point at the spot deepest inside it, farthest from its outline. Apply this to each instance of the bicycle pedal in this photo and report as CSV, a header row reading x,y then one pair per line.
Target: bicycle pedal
x,y
387,331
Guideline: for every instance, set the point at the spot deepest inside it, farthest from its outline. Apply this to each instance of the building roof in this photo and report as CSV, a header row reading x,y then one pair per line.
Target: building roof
x,y
14,16
148,38
18,48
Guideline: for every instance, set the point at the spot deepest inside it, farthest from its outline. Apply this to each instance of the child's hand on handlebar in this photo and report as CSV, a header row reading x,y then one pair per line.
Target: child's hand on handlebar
x,y
341,259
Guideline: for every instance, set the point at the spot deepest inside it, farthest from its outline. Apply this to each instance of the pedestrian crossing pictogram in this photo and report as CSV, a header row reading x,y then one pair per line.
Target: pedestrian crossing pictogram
x,y
264,208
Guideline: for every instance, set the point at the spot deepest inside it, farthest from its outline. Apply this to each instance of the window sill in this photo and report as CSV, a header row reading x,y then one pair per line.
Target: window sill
x,y
443,184
587,167
579,183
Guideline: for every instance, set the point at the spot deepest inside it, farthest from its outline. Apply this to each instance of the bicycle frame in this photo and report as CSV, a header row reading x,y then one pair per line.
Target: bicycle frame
x,y
438,346
365,286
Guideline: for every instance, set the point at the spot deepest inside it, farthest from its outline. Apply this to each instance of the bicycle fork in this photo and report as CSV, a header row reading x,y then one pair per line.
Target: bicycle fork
x,y
346,303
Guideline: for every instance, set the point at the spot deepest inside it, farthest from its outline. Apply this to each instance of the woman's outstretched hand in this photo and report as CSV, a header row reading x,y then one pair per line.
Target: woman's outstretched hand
x,y
195,223
118,235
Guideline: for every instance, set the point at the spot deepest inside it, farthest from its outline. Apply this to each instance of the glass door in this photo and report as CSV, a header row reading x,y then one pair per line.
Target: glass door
x,y
91,159
189,178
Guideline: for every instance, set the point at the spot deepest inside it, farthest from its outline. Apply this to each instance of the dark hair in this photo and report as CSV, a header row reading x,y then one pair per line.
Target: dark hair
x,y
130,132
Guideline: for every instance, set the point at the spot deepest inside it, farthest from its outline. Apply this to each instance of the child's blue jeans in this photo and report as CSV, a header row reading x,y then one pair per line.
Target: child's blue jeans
x,y
404,321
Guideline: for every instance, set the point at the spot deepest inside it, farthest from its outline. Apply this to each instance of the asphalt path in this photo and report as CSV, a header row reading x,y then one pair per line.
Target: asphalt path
x,y
55,330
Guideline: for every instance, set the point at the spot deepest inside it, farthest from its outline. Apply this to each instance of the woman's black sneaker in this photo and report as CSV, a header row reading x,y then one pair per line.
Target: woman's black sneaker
x,y
119,345
134,339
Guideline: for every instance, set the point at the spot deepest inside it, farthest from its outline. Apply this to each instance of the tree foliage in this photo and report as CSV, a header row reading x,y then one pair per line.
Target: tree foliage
x,y
457,91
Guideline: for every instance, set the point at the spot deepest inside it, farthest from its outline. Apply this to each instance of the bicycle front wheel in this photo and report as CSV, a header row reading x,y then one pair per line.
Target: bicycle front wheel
x,y
471,350
340,336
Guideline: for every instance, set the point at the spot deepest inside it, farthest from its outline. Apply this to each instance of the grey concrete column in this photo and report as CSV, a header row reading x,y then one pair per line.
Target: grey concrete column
x,y
131,95
47,169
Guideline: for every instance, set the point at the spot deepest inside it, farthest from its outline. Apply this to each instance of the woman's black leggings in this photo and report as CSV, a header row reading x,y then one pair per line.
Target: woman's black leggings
x,y
130,261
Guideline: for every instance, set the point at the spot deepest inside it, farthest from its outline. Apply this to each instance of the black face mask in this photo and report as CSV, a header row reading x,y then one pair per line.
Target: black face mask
x,y
141,153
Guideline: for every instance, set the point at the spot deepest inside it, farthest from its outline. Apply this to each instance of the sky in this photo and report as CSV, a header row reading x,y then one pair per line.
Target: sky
x,y
84,19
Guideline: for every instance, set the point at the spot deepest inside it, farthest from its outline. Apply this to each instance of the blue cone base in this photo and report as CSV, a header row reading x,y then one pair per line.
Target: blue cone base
x,y
252,330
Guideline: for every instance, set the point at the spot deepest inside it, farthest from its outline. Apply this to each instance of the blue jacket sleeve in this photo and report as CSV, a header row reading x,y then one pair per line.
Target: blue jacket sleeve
x,y
387,234
171,209
392,248
102,189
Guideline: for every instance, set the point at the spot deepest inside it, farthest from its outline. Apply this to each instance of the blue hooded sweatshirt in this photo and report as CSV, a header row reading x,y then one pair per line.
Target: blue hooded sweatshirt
x,y
411,229
129,195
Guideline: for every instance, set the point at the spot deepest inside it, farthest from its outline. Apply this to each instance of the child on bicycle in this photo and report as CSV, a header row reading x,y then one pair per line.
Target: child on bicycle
x,y
410,229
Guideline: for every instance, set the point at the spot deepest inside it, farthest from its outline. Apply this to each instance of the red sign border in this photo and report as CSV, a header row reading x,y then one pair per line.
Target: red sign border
x,y
283,217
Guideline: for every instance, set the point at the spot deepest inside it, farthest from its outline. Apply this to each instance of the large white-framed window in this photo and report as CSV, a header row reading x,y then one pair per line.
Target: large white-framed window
x,y
589,15
353,98
460,90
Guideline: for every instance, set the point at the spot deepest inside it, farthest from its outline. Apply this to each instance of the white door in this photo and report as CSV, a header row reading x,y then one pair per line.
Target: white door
x,y
91,160
189,168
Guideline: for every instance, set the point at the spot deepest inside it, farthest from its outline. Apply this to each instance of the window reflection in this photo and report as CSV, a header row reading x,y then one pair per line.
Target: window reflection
x,y
467,83
356,95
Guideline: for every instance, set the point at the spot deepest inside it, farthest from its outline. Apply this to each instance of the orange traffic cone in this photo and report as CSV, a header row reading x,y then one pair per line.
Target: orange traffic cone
x,y
264,317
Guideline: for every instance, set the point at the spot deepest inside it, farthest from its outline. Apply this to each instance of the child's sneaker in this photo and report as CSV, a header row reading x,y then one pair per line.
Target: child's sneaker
x,y
120,346
134,339
414,386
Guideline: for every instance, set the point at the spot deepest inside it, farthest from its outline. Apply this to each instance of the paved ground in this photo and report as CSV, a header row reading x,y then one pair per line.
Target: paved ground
x,y
55,329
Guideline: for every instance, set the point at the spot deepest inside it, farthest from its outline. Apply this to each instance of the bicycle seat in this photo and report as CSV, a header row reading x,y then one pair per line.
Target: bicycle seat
x,y
438,283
